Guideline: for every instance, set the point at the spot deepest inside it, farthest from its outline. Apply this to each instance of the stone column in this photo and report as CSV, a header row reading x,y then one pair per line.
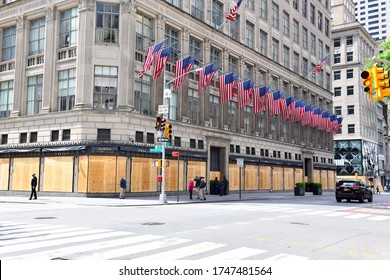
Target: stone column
x,y
20,94
182,99
85,70
125,98
49,92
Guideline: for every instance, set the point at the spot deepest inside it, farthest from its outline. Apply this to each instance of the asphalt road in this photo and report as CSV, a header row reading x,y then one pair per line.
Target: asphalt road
x,y
260,227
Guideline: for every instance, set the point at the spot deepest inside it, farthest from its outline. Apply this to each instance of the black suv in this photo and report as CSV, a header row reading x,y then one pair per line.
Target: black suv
x,y
353,189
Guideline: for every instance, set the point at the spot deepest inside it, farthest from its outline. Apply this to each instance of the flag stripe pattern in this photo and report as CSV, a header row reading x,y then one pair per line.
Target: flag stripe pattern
x,y
274,99
151,53
233,11
160,60
319,66
182,67
206,75
259,99
244,91
226,87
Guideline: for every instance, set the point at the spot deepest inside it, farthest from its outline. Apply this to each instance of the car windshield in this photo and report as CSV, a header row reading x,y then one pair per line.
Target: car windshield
x,y
350,183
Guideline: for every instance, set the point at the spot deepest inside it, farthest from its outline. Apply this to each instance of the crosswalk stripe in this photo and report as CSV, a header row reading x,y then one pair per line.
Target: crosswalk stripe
x,y
75,250
22,228
286,257
317,212
379,218
236,254
357,216
129,250
58,233
67,239
336,214
20,237
184,251
298,210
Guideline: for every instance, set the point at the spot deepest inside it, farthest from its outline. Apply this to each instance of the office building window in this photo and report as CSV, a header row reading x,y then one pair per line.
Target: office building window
x,y
350,90
305,38
196,49
275,50
107,23
142,93
232,116
248,120
351,128
238,149
336,58
9,43
66,135
275,15
337,91
313,43
286,57
296,4
247,150
253,151
193,105
349,56
4,139
214,111
33,137
296,31
103,134
337,110
66,89
337,75
233,62
192,143
349,40
312,14
176,3
177,141
304,8
350,110
286,23
150,138
34,94
144,32
263,43
250,4
349,73
6,98
327,25
319,21
139,137
264,9
217,12
172,39
197,9
200,145
215,56
105,87
235,28
305,67
23,137
37,36
249,34
336,42
68,27
55,135
296,68
231,149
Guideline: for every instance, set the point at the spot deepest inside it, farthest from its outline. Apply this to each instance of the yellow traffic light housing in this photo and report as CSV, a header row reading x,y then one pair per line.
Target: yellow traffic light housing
x,y
168,131
367,76
381,82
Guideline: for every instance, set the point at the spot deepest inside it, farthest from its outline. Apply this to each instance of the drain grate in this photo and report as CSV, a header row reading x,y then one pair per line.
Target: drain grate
x,y
153,224
45,218
59,259
298,223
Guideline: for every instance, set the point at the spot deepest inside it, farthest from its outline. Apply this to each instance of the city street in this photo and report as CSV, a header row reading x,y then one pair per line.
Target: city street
x,y
260,226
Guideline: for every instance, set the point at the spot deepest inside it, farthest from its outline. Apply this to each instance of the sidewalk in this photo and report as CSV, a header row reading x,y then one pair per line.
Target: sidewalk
x,y
154,200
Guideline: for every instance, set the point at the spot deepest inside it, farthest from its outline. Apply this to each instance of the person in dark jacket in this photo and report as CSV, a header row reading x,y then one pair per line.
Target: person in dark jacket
x,y
122,184
34,182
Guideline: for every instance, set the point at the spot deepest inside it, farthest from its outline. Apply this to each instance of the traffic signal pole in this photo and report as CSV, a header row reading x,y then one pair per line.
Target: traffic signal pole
x,y
163,196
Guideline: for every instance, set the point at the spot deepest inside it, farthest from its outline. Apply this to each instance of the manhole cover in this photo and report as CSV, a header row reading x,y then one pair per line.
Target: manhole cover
x,y
153,224
59,259
45,218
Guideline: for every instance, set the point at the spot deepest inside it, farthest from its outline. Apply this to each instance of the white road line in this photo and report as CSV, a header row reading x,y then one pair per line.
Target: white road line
x,y
22,228
236,254
379,218
286,257
83,249
128,250
298,210
59,233
86,235
336,214
357,216
183,252
317,212
19,237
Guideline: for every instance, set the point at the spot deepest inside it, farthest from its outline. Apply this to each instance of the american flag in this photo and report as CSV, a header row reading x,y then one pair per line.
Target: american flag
x,y
226,87
244,90
182,67
152,52
307,115
316,117
297,111
259,99
332,119
160,60
286,106
325,120
206,75
233,11
274,99
337,125
319,66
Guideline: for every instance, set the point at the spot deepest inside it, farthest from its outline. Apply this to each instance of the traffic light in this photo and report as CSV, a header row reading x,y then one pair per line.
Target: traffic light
x,y
168,131
381,78
162,124
158,123
367,76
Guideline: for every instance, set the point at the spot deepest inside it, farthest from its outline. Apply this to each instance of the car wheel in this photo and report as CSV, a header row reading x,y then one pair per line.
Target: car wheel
x,y
370,198
338,199
361,199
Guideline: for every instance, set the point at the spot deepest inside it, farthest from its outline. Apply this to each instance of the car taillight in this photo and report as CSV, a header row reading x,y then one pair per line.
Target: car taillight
x,y
355,187
338,187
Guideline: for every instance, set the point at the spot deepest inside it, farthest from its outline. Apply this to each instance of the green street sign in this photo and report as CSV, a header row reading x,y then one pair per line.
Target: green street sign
x,y
155,151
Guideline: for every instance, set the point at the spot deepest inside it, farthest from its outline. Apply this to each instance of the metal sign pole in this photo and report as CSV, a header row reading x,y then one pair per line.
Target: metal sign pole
x,y
163,196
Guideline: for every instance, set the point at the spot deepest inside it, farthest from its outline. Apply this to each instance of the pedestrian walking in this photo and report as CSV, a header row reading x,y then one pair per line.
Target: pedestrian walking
x,y
34,182
202,189
122,184
225,184
197,186
191,187
377,190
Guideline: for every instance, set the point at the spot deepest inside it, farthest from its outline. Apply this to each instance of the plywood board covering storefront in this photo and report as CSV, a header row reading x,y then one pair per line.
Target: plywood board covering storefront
x,y
58,174
4,173
22,171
